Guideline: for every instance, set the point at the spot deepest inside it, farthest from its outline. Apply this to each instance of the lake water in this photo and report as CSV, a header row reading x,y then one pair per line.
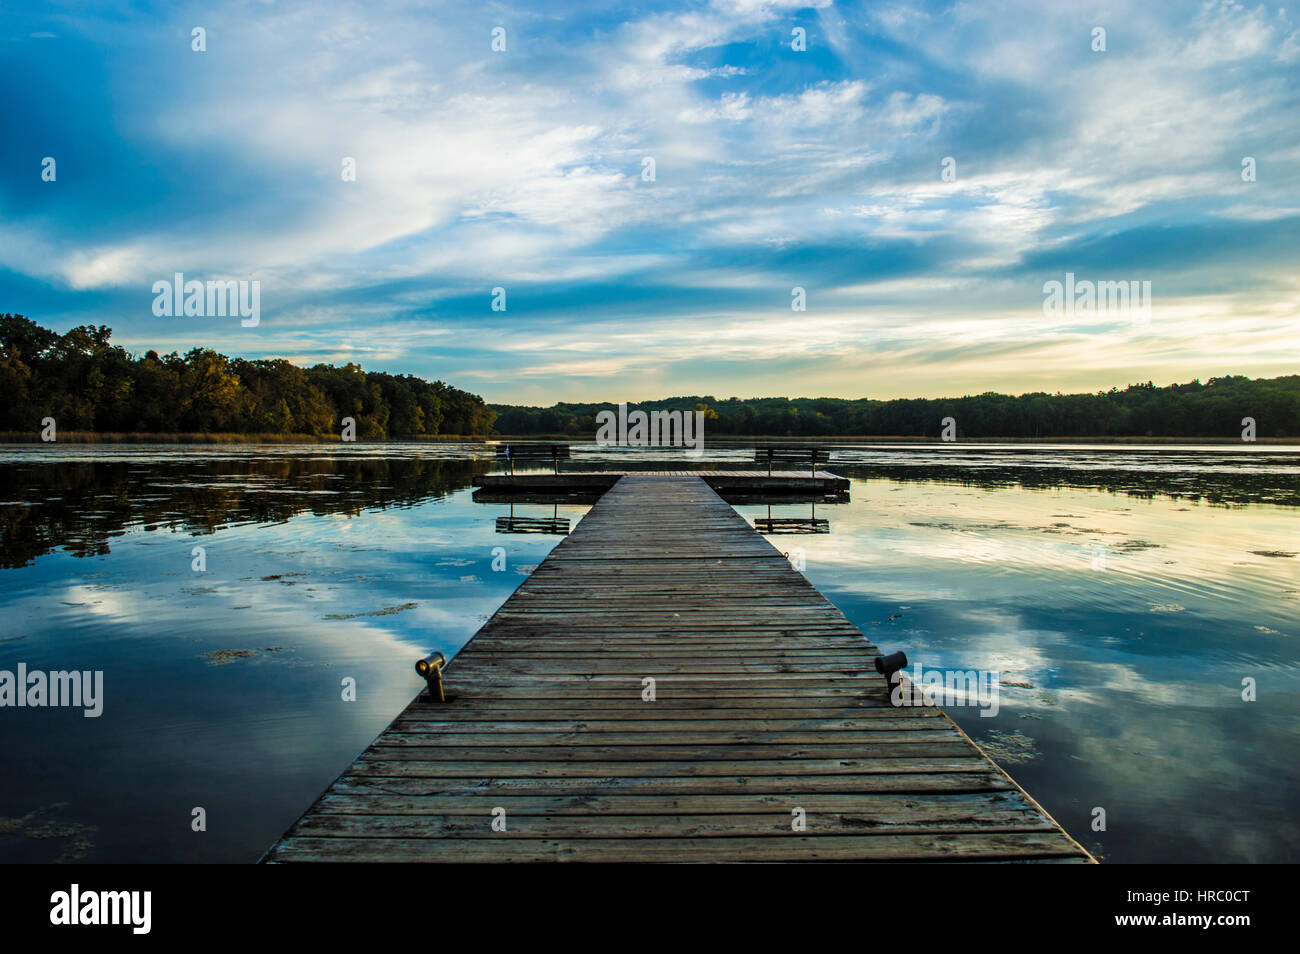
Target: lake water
x,y
1122,594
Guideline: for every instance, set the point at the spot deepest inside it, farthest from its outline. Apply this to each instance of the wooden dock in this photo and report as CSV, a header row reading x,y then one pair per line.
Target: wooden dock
x,y
723,481
767,710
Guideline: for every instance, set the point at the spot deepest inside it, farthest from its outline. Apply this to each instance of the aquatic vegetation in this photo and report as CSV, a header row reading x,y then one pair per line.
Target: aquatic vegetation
x,y
1009,746
386,611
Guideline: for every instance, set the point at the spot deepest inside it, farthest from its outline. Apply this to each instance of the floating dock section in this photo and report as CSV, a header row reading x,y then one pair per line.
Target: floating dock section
x,y
725,482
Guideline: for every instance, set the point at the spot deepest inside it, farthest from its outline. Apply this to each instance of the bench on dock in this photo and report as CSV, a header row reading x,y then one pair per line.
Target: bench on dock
x,y
777,454
508,454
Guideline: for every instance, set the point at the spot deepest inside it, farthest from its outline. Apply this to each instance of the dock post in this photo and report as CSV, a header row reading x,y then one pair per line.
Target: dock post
x,y
430,667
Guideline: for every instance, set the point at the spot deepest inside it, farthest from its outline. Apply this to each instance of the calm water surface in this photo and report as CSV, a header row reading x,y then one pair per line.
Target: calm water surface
x,y
1122,595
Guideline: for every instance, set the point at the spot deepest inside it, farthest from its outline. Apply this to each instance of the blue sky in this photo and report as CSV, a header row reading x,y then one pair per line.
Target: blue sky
x,y
774,168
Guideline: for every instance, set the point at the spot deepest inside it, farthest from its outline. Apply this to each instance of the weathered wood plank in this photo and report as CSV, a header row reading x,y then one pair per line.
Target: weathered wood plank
x,y
854,742
552,825
964,846
587,725
928,782
879,809
667,768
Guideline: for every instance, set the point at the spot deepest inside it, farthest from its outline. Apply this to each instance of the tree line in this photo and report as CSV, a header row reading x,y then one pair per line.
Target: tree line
x,y
87,384
1215,408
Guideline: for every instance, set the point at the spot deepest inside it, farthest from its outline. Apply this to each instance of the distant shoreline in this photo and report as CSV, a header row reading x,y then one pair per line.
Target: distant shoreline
x,y
91,437
94,437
